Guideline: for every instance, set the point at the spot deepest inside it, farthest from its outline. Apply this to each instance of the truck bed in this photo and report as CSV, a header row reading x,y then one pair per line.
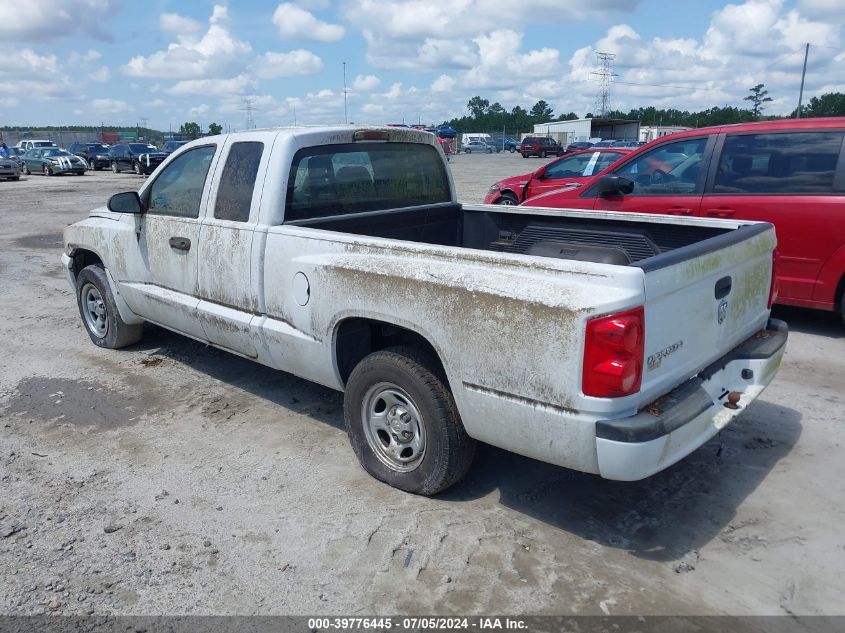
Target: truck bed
x,y
541,232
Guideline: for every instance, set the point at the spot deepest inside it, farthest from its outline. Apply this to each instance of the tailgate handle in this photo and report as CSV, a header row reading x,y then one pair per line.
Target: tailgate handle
x,y
723,287
180,243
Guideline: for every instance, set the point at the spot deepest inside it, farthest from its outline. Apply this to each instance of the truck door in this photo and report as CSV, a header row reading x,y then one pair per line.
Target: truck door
x,y
164,289
228,292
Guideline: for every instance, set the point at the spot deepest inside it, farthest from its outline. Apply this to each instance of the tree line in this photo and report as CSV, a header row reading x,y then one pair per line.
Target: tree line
x,y
486,117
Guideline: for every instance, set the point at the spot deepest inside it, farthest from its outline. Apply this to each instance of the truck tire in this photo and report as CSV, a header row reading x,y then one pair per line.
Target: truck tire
x,y
543,154
403,424
99,312
115,169
137,168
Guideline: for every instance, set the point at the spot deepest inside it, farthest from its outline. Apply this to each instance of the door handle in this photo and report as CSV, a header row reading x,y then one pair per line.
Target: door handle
x,y
720,212
180,243
678,211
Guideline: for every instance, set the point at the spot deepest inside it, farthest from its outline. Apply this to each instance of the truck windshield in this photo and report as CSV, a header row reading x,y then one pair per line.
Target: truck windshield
x,y
355,177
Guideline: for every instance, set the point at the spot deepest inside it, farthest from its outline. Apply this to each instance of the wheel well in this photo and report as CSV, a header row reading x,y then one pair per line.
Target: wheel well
x,y
840,290
357,338
83,258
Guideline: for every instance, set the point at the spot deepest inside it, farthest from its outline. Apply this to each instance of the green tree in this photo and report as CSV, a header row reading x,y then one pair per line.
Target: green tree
x,y
541,112
758,97
828,104
214,128
477,107
190,129
567,117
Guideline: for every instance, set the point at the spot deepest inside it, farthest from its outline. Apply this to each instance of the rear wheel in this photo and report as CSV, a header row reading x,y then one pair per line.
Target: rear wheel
x,y
403,423
26,171
467,151
524,155
99,311
508,199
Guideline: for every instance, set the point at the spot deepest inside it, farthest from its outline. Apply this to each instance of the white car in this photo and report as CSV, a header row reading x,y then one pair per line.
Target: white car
x,y
30,143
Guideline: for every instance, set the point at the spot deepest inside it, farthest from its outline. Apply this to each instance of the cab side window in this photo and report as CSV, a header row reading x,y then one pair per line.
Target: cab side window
x,y
784,163
234,193
670,169
177,191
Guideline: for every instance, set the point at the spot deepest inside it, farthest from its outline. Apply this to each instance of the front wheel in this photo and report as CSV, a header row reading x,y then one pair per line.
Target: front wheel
x,y
467,151
114,167
403,423
543,154
508,199
26,171
524,155
47,170
99,312
138,169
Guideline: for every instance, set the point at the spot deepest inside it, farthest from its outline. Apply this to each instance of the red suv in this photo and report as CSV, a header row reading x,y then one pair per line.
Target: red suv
x,y
539,146
789,172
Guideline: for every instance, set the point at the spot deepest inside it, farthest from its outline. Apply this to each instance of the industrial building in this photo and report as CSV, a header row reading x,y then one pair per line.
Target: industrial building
x,y
566,132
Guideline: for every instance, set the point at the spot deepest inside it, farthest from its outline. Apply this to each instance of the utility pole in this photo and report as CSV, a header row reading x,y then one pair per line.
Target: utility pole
x,y
803,74
605,75
345,115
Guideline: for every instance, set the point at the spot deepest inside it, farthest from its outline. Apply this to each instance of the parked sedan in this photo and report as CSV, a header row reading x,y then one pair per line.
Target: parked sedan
x,y
570,170
52,161
477,147
96,154
141,158
10,169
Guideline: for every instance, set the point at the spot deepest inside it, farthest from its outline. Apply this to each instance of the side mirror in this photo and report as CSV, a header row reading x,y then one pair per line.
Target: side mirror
x,y
540,174
613,186
126,202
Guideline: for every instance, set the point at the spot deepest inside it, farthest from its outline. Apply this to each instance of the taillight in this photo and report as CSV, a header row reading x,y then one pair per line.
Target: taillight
x,y
775,284
613,354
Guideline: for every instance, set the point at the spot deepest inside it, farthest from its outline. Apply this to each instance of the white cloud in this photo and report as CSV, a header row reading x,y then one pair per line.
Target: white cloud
x,y
179,25
200,110
294,22
110,106
237,85
822,8
46,20
102,74
216,54
438,34
444,83
295,63
155,103
365,83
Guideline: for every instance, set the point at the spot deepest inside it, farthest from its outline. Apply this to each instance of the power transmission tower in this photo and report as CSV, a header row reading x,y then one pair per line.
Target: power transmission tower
x,y
249,109
605,76
345,115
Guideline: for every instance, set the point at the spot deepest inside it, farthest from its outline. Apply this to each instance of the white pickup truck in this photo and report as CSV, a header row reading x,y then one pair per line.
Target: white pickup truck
x,y
604,342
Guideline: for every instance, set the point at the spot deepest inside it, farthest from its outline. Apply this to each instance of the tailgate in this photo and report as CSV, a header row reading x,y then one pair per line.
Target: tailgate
x,y
703,300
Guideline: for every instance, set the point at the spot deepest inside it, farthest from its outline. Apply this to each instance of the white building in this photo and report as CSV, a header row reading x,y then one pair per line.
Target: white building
x,y
651,132
566,132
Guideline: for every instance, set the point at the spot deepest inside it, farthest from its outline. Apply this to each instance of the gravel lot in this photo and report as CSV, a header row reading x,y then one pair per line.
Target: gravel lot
x,y
175,478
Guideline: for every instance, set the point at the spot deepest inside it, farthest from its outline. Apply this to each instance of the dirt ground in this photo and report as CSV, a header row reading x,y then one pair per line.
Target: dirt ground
x,y
175,478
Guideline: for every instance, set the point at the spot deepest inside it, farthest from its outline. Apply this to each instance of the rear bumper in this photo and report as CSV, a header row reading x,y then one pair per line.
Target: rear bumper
x,y
671,428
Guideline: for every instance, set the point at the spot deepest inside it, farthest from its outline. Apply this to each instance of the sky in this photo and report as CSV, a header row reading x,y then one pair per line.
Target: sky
x,y
162,63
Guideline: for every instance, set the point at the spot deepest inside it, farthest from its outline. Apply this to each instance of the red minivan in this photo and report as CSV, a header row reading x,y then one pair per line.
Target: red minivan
x,y
789,172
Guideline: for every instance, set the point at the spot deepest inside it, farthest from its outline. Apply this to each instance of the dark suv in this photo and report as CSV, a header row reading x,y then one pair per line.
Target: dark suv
x,y
96,154
141,158
539,146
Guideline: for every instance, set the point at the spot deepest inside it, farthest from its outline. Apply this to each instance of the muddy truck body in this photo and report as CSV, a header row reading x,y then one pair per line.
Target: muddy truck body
x,y
609,343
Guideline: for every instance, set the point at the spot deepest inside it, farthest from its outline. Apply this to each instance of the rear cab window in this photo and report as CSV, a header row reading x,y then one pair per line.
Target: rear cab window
x,y
234,193
779,163
350,178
